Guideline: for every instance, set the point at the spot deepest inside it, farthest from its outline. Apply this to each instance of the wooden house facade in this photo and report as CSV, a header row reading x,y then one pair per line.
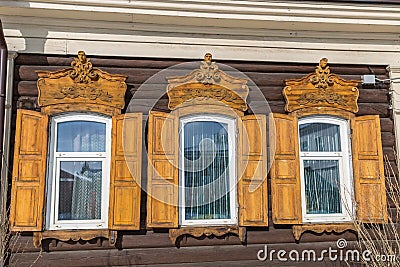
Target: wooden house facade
x,y
147,86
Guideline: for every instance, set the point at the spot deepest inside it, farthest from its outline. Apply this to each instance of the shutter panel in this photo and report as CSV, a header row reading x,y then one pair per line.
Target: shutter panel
x,y
285,169
162,204
369,177
126,163
29,171
252,186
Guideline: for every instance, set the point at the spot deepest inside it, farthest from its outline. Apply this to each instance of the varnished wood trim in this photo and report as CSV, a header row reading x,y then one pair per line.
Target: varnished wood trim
x,y
324,111
81,84
207,106
70,235
174,234
321,89
298,230
60,108
208,82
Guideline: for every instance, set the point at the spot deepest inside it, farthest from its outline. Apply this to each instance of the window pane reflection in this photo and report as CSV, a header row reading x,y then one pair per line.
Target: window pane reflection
x,y
81,136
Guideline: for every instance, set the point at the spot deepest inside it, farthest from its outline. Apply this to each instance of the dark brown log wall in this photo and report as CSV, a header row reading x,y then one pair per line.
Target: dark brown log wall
x,y
148,247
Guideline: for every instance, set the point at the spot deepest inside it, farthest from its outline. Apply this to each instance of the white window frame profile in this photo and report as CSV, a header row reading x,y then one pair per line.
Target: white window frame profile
x,y
231,122
345,170
53,182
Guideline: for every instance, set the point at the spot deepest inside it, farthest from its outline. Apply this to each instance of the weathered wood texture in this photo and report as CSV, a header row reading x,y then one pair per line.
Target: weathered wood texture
x,y
148,247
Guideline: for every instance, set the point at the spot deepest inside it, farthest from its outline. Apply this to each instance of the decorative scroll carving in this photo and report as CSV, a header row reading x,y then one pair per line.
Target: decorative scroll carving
x,y
208,82
82,71
81,84
83,92
65,236
298,230
174,234
321,89
209,72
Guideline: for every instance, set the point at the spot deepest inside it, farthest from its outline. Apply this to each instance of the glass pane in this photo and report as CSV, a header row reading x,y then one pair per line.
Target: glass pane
x,y
206,163
80,190
319,137
322,186
81,136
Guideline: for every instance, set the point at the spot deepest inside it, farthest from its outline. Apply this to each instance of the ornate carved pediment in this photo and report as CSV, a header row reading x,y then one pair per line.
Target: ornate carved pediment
x,y
321,89
81,84
240,232
208,82
338,228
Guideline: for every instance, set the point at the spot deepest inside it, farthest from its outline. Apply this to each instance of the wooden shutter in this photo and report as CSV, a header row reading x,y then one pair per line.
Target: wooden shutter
x,y
126,163
285,169
369,177
162,204
29,171
252,186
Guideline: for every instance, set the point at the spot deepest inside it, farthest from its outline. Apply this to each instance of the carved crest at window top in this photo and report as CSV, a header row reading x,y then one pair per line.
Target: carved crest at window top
x,y
321,89
81,85
207,82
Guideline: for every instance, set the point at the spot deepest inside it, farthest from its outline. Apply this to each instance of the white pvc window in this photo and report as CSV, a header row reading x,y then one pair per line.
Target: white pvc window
x,y
325,167
207,170
79,172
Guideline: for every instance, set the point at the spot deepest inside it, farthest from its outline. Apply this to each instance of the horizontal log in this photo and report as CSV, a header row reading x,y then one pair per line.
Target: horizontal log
x,y
141,75
169,255
27,59
161,240
381,109
389,152
387,125
388,139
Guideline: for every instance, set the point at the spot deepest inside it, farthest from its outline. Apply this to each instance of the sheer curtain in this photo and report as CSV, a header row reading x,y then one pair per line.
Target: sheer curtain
x,y
206,171
321,172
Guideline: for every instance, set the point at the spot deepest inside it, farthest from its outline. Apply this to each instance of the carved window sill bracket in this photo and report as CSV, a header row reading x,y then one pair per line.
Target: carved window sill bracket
x,y
174,234
73,235
298,230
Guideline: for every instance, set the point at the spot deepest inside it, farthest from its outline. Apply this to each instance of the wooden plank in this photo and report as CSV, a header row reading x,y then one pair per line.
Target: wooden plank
x,y
369,180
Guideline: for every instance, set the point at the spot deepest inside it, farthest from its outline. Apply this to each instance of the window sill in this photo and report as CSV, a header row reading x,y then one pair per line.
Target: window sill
x,y
74,235
298,230
175,234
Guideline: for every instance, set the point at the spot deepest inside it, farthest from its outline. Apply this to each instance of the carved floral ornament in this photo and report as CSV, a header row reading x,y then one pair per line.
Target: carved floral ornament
x,y
321,89
207,82
81,84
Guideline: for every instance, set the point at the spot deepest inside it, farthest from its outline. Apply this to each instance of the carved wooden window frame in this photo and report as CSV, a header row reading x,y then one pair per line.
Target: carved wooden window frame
x,y
344,169
52,175
325,93
232,143
86,90
208,90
